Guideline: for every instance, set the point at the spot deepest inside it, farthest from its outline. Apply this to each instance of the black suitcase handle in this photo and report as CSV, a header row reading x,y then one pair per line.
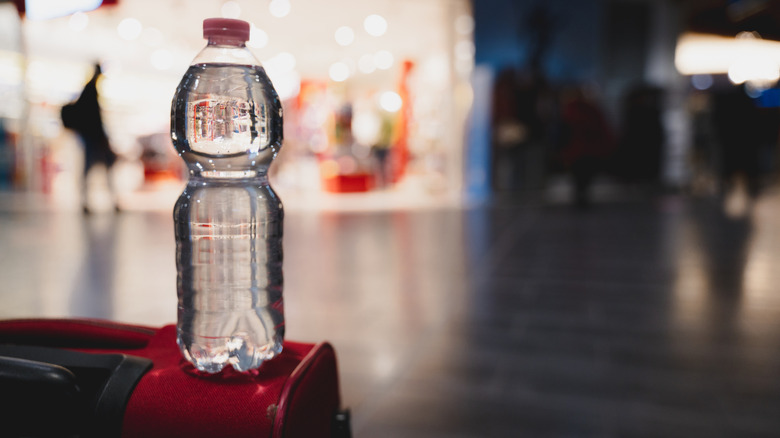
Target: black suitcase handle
x,y
53,392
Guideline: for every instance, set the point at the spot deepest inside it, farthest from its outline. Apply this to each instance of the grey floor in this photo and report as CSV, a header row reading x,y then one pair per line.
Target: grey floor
x,y
642,318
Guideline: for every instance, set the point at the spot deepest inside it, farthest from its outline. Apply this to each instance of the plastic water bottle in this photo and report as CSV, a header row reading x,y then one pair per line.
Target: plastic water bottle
x,y
226,123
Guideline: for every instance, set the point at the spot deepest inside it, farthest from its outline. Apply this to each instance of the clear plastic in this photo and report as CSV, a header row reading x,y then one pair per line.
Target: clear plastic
x,y
226,123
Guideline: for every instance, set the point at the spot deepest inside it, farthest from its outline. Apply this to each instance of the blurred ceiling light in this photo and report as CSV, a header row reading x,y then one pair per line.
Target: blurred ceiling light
x,y
435,67
345,35
375,25
390,101
257,38
129,29
366,64
737,75
383,59
702,82
339,71
78,21
279,8
754,65
464,50
152,37
710,54
464,24
702,54
230,9
47,9
366,127
758,73
161,59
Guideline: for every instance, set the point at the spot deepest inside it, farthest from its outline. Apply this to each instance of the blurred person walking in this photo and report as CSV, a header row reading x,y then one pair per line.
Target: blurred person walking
x,y
740,132
381,151
509,132
642,137
84,117
6,158
587,142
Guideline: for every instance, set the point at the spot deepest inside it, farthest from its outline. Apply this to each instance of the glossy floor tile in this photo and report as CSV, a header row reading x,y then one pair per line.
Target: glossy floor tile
x,y
644,318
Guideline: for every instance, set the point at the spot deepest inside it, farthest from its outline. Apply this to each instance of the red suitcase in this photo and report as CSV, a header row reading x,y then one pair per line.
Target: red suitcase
x,y
107,379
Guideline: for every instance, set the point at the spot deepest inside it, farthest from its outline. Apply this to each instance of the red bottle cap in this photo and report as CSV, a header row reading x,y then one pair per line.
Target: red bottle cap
x,y
225,30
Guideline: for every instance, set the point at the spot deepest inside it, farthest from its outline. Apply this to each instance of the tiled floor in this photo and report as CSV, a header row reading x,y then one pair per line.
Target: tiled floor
x,y
653,318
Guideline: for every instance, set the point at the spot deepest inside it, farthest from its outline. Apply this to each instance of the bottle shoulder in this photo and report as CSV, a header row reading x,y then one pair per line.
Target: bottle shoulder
x,y
225,55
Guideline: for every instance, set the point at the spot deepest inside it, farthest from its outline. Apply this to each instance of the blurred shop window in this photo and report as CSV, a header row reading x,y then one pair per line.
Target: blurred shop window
x,y
160,162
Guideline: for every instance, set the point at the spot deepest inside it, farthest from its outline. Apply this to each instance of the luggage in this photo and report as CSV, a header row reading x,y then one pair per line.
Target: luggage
x,y
91,378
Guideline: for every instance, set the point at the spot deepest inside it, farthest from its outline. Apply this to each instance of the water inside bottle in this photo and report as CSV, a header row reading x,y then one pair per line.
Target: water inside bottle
x,y
229,253
226,124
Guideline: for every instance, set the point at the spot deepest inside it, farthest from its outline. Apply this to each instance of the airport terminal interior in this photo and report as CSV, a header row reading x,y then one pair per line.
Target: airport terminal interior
x,y
545,219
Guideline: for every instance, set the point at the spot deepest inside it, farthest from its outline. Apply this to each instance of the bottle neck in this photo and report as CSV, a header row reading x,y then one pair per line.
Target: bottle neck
x,y
224,50
227,41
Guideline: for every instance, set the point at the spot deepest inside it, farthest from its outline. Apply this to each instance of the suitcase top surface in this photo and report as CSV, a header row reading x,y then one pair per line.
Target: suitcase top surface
x,y
174,399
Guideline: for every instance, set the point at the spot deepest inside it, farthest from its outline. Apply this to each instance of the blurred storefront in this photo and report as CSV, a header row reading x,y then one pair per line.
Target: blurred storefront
x,y
376,93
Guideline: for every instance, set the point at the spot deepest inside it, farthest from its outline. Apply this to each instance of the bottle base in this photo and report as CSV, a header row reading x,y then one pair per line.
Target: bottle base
x,y
234,351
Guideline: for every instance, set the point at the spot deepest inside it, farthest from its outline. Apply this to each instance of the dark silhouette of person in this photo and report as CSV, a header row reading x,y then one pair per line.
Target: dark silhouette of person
x,y
6,157
84,117
509,131
642,136
588,141
381,150
738,127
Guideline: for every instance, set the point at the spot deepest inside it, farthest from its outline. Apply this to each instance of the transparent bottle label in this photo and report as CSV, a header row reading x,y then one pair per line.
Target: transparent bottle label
x,y
227,126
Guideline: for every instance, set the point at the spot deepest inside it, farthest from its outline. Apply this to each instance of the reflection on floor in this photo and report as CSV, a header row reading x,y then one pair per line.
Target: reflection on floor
x,y
657,318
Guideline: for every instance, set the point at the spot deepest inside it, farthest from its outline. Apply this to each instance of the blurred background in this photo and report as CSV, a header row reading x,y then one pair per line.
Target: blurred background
x,y
358,64
445,101
510,217
483,106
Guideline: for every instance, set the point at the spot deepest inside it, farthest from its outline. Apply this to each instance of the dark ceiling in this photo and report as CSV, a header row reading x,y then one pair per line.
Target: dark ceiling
x,y
729,17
